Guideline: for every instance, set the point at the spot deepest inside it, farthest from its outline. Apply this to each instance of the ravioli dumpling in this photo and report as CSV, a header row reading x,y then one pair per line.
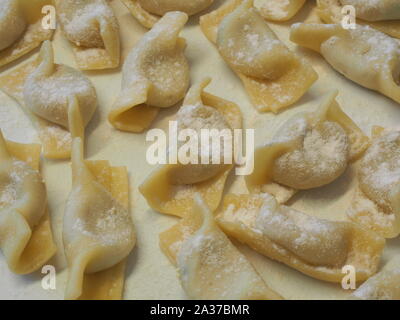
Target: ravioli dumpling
x,y
26,238
93,30
385,285
376,203
273,76
316,247
148,12
209,265
171,187
98,232
278,10
383,15
310,150
45,90
372,58
155,75
21,28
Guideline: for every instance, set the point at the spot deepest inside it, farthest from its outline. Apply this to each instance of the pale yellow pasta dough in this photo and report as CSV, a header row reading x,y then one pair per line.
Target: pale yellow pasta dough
x,y
26,239
45,90
21,29
12,22
273,76
98,231
372,58
171,187
375,10
309,150
376,202
155,75
319,248
385,285
93,30
209,265
330,11
278,10
148,12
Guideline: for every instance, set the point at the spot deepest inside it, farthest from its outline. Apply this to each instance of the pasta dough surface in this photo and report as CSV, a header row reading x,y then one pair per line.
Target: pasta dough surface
x,y
93,30
273,76
45,91
330,11
21,29
98,232
373,58
171,187
376,202
26,238
155,75
148,12
310,150
278,10
316,247
209,265
385,285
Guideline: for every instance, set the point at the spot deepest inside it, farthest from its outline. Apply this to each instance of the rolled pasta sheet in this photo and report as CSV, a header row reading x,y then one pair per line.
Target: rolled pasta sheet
x,y
155,75
26,238
149,12
171,187
273,76
21,29
316,247
209,265
93,31
310,150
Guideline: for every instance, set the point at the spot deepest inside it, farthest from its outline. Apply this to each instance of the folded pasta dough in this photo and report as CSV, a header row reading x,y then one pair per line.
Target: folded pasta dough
x,y
316,247
310,150
43,89
155,75
376,202
98,231
330,11
149,12
372,59
26,238
21,29
385,285
278,10
170,188
209,265
273,76
93,31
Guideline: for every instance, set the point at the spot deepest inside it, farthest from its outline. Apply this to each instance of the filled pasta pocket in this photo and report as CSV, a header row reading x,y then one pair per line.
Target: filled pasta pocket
x,y
26,239
21,29
170,188
310,150
316,247
209,265
273,76
155,75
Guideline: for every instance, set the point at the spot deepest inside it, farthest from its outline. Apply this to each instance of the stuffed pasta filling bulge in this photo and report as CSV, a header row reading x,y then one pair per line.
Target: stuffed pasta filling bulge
x,y
321,155
12,23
